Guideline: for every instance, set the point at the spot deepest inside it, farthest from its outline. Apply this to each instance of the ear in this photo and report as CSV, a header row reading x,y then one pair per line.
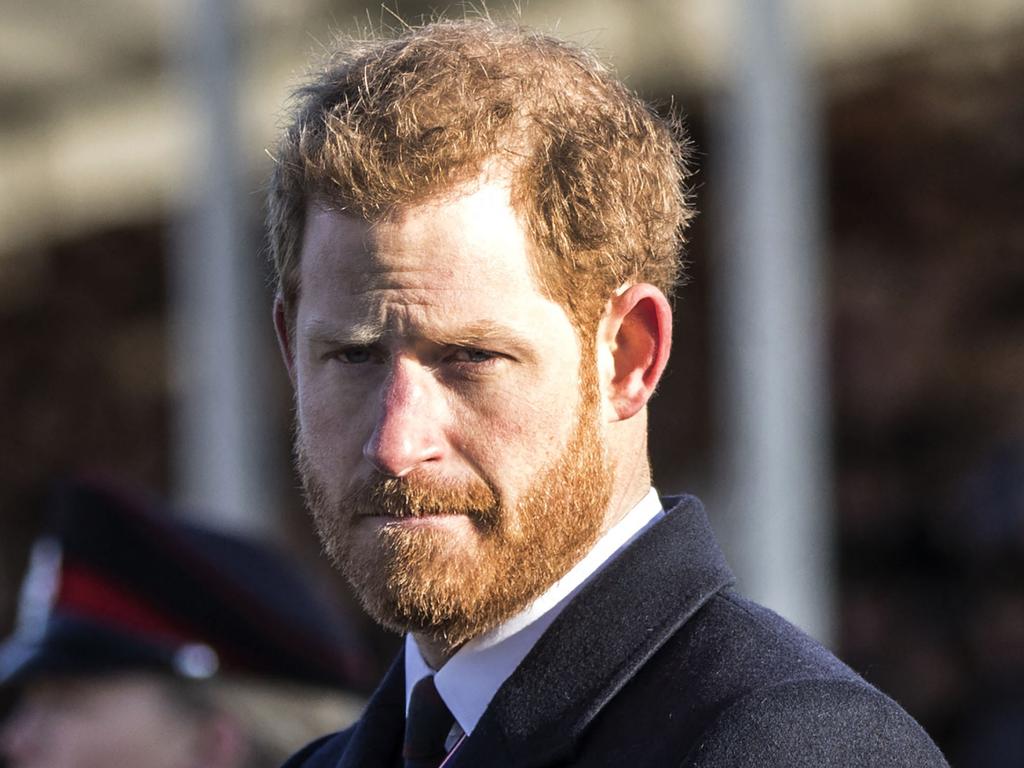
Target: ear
x,y
284,337
637,331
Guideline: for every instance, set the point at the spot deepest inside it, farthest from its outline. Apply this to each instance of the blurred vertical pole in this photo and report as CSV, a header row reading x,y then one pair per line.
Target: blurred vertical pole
x,y
221,425
774,478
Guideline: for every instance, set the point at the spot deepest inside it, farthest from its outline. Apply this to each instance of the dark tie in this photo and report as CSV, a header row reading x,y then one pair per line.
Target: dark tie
x,y
426,727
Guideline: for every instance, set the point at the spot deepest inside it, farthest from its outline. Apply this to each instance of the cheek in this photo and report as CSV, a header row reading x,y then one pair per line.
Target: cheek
x,y
512,433
509,408
332,421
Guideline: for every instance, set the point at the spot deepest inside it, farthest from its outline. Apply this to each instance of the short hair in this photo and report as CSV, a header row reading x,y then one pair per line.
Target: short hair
x,y
597,177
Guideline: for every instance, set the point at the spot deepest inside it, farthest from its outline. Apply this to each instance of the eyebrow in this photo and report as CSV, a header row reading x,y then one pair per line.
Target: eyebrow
x,y
502,337
481,333
361,334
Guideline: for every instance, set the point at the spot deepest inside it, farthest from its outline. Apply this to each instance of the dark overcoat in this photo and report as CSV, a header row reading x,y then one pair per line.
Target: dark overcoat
x,y
659,662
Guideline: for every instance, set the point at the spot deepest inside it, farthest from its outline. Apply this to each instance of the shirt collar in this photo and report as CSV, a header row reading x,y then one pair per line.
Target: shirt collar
x,y
472,676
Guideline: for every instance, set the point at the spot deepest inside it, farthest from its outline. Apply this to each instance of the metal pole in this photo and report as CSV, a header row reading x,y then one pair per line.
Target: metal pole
x,y
221,424
774,478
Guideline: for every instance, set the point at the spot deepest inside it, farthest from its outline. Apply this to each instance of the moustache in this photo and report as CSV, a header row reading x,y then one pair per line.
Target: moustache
x,y
413,496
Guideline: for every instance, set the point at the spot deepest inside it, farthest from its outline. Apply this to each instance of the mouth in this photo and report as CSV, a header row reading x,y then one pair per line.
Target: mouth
x,y
450,522
410,503
416,518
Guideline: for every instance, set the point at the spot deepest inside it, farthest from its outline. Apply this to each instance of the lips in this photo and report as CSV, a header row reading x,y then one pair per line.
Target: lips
x,y
407,515
416,497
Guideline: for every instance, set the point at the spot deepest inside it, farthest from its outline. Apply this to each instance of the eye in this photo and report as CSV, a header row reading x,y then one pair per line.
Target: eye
x,y
353,355
472,355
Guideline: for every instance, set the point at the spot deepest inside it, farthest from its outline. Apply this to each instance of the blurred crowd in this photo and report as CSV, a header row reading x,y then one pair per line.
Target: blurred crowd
x,y
149,642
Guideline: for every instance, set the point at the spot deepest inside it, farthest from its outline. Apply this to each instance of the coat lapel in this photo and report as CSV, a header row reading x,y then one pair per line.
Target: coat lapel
x,y
599,642
376,741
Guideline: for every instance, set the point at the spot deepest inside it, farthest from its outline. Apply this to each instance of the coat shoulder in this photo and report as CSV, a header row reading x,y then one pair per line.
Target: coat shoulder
x,y
814,722
790,702
738,686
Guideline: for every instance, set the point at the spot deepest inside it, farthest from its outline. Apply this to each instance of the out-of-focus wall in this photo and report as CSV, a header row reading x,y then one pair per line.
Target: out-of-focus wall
x,y
97,125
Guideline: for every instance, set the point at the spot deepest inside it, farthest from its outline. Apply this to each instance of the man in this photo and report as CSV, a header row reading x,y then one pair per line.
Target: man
x,y
150,643
476,230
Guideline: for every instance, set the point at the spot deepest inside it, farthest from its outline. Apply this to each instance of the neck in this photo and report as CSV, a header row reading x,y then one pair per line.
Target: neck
x,y
436,654
627,444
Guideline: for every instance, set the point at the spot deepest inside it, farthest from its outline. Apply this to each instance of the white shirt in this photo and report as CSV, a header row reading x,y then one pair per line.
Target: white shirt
x,y
471,677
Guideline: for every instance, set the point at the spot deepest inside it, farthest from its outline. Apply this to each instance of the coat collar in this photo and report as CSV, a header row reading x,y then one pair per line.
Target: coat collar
x,y
604,636
598,643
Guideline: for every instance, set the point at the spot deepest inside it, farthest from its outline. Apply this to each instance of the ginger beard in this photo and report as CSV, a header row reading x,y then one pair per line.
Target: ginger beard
x,y
420,580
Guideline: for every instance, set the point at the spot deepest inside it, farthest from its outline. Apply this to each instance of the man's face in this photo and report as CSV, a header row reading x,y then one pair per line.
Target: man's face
x,y
448,428
98,723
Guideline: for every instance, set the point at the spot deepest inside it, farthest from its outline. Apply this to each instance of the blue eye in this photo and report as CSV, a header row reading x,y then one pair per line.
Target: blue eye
x,y
471,355
354,355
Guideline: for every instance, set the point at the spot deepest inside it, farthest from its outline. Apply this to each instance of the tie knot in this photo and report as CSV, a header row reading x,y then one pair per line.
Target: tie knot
x,y
426,727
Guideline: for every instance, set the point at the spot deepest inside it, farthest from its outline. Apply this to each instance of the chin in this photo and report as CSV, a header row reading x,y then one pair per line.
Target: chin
x,y
432,578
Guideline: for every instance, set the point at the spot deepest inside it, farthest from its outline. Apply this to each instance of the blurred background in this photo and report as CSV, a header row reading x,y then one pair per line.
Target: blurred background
x,y
847,384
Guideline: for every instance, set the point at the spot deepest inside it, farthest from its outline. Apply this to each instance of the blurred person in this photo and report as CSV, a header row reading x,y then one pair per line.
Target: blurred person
x,y
147,642
476,230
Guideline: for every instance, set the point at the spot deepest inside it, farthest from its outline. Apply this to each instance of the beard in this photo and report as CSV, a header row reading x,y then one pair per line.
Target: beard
x,y
449,588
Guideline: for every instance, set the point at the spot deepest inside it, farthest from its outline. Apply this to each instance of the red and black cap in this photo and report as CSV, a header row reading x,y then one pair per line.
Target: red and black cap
x,y
123,584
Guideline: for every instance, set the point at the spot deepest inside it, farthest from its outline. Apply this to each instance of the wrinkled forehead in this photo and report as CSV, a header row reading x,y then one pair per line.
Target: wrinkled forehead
x,y
469,237
454,270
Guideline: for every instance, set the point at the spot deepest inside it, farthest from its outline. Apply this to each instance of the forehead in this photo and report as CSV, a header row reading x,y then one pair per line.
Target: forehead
x,y
467,250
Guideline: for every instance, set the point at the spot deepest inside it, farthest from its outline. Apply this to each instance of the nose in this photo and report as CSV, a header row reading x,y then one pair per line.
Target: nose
x,y
409,427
